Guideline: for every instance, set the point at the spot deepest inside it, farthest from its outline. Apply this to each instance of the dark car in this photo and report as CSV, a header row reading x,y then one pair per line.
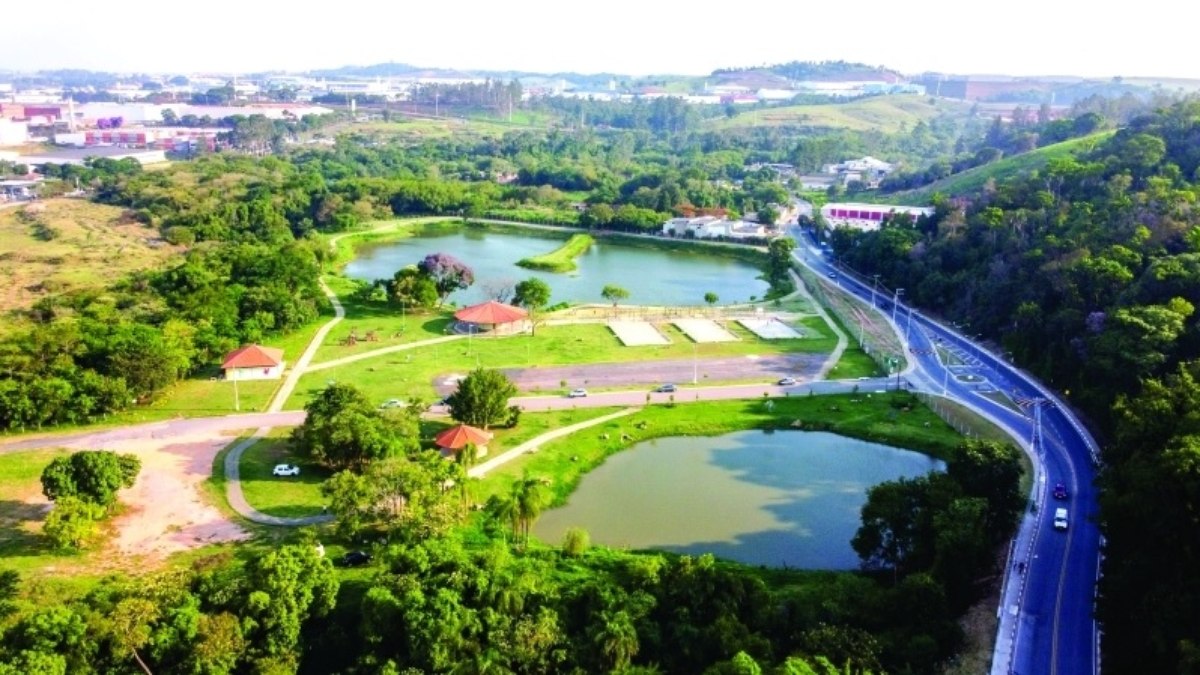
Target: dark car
x,y
665,389
355,558
1060,491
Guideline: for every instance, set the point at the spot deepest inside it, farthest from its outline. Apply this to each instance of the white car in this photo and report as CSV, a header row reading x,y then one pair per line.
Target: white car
x,y
286,470
577,393
1060,519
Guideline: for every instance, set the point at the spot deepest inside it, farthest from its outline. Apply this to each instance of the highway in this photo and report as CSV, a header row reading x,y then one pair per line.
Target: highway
x,y
1047,623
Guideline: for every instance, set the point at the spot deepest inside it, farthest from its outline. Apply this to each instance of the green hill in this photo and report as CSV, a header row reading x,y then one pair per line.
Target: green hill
x,y
881,113
972,180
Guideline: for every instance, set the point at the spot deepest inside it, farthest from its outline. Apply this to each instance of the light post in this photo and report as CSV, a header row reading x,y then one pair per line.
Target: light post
x,y
873,287
896,301
908,324
695,365
945,377
237,402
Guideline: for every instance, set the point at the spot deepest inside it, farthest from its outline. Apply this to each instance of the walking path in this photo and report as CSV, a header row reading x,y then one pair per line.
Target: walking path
x,y
301,365
842,342
480,470
380,352
237,499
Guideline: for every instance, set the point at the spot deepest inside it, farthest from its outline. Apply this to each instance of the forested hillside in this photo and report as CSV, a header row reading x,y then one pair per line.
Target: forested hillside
x,y
1088,272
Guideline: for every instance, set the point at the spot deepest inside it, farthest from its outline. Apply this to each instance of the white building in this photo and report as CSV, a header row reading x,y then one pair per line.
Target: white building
x,y
13,132
711,227
867,216
253,362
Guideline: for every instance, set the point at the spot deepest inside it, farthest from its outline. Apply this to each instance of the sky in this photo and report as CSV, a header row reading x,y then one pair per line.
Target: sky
x,y
633,37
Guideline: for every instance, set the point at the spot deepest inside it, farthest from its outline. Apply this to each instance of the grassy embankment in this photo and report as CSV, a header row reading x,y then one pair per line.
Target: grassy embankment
x,y
561,259
895,419
889,114
972,180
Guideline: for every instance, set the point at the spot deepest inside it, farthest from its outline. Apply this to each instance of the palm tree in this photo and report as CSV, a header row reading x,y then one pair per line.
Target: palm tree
x,y
530,497
465,459
616,638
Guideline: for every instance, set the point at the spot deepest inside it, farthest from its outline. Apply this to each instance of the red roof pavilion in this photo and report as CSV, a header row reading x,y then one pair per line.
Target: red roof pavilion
x,y
457,437
491,312
253,356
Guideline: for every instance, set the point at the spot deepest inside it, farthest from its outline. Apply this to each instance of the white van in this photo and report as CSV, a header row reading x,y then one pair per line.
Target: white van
x,y
1060,519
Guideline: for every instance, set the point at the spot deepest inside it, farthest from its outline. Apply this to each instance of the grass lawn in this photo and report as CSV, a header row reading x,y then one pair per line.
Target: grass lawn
x,y
561,259
284,496
390,325
854,363
879,113
532,424
868,417
412,373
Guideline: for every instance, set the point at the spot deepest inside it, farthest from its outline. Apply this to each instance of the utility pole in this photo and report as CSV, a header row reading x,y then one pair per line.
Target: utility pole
x,y
896,301
695,365
237,402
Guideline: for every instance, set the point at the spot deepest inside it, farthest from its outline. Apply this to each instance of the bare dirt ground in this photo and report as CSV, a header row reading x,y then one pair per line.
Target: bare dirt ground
x,y
651,373
165,511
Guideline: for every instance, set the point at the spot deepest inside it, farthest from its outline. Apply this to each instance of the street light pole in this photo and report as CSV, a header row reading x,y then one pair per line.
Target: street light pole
x,y
908,324
895,301
695,365
237,402
873,287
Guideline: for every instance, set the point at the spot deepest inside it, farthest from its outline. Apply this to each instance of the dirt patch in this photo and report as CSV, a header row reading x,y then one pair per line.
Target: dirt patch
x,y
165,511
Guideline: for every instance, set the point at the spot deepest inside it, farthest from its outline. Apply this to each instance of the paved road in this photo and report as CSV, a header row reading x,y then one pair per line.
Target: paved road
x,y
1047,623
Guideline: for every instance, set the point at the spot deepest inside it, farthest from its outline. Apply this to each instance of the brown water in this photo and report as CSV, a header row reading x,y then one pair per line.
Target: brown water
x,y
787,498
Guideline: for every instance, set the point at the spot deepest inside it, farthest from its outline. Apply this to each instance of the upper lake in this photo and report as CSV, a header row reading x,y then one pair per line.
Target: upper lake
x,y
652,276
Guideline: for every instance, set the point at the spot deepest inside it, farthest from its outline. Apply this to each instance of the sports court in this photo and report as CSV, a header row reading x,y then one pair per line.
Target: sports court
x,y
637,333
770,329
704,330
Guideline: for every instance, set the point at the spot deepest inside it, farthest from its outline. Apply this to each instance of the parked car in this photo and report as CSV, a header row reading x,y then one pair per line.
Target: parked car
x,y
577,393
286,470
355,558
1060,491
787,382
666,388
1060,519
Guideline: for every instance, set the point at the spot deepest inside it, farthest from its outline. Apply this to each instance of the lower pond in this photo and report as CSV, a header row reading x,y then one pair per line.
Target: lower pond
x,y
653,276
783,498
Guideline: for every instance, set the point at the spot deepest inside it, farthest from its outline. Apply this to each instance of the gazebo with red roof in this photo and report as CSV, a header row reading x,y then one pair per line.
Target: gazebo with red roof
x,y
253,362
453,440
503,319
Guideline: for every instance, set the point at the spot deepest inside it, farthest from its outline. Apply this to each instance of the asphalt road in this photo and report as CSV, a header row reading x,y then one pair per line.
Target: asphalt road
x,y
1047,622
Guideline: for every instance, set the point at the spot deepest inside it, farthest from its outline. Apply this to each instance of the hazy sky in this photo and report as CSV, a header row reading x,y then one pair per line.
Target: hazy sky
x,y
1049,37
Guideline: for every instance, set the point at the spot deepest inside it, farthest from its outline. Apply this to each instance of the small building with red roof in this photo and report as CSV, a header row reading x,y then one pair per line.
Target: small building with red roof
x,y
253,362
453,440
492,317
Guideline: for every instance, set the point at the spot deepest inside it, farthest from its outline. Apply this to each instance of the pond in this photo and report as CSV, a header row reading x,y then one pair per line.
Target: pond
x,y
652,276
783,498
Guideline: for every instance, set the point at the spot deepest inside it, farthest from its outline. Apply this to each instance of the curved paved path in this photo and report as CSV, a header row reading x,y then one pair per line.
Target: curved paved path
x,y
237,499
480,470
301,365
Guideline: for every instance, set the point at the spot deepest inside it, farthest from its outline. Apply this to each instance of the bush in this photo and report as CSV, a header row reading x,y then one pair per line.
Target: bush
x,y
575,542
514,416
72,523
180,235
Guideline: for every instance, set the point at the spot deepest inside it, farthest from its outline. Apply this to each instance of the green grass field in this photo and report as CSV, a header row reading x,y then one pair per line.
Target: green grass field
x,y
284,496
561,259
412,373
972,180
868,417
889,114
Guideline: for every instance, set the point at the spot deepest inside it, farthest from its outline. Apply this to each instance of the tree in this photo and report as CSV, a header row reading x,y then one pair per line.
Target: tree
x,y
447,272
410,288
481,399
767,215
287,586
779,260
711,298
91,475
396,496
532,294
72,522
991,471
344,431
614,293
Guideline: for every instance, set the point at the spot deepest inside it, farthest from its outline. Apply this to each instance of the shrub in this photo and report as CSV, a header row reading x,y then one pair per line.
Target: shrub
x,y
575,542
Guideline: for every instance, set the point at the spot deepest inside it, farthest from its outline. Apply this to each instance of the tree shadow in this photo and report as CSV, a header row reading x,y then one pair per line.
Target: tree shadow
x,y
16,538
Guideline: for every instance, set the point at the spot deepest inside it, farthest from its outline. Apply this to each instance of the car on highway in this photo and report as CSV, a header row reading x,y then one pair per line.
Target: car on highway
x,y
286,470
355,558
1060,491
578,393
833,275
787,382
666,388
1060,519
